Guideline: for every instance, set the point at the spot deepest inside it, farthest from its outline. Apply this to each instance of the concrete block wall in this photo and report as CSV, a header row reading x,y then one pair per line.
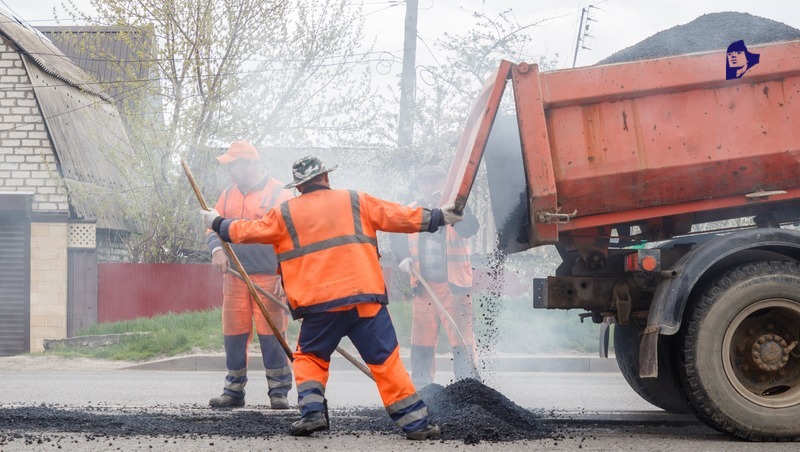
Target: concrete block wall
x,y
27,160
48,283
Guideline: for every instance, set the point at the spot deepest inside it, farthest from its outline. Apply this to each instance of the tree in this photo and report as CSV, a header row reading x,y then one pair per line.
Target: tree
x,y
452,86
267,71
449,90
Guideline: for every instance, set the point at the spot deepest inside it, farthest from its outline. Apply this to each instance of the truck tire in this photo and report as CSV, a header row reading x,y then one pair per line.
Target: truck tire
x,y
741,370
665,391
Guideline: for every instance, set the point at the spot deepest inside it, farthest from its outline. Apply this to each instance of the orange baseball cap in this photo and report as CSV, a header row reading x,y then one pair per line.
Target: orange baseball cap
x,y
239,150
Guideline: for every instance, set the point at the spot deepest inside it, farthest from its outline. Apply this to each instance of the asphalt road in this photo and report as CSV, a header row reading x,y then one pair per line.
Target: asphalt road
x,y
100,409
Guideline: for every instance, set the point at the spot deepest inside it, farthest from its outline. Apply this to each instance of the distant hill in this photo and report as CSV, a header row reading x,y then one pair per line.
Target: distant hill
x,y
713,31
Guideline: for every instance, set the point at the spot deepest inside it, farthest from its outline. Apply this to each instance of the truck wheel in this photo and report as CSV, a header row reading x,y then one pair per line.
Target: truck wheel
x,y
741,366
664,391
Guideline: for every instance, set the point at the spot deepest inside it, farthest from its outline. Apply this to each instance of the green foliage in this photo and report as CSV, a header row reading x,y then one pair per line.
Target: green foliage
x,y
401,318
521,329
200,74
171,335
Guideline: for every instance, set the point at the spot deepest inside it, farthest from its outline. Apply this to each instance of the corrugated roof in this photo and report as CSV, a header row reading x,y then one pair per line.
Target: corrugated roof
x,y
86,131
112,54
87,134
47,56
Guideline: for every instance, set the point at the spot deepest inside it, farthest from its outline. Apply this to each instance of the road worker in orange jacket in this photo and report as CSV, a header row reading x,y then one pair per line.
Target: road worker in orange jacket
x,y
251,195
326,242
442,259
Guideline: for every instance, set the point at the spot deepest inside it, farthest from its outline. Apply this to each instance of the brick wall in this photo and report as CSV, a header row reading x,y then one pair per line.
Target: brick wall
x,y
27,161
48,282
28,164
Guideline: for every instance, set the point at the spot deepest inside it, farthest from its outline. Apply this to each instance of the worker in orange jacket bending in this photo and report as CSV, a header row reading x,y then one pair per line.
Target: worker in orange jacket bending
x,y
442,259
251,195
326,242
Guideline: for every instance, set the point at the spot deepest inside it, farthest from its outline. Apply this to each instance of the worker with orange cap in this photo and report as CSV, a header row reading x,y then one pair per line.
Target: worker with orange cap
x,y
327,246
251,195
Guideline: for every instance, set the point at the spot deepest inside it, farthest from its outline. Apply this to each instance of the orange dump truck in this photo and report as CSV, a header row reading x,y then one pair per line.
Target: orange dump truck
x,y
620,167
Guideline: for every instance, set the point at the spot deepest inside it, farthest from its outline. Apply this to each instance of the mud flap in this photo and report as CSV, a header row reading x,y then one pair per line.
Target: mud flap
x,y
604,336
648,352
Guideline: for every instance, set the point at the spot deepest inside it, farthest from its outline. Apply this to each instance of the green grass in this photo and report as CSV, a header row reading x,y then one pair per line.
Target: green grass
x,y
506,325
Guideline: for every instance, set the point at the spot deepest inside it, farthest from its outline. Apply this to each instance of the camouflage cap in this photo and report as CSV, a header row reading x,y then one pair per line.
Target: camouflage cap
x,y
306,169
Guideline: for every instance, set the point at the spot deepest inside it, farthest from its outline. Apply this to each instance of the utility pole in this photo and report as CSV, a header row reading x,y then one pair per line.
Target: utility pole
x,y
408,80
580,41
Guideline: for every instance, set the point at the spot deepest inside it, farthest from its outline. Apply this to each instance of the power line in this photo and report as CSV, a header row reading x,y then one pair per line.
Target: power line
x,y
249,60
72,110
382,9
429,49
382,59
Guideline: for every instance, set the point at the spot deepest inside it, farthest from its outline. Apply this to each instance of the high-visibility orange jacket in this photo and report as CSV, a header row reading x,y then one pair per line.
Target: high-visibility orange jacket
x,y
327,246
251,205
459,270
457,252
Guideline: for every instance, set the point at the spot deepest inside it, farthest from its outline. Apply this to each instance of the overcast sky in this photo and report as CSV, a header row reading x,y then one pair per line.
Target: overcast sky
x,y
617,23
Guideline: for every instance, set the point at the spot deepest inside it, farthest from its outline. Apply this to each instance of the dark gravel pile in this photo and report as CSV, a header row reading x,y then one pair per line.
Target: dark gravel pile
x,y
471,411
466,410
708,32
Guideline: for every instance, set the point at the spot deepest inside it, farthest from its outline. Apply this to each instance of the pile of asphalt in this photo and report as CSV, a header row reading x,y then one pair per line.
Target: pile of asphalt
x,y
708,32
469,410
466,410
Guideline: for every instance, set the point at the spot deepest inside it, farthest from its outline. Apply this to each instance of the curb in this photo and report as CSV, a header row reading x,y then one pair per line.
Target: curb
x,y
578,364
94,341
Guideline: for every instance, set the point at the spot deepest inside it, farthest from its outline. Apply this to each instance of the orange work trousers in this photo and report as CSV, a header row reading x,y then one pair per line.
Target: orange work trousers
x,y
239,309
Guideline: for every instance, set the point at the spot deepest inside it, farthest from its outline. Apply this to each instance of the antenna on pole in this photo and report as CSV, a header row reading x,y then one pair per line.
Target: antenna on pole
x,y
583,31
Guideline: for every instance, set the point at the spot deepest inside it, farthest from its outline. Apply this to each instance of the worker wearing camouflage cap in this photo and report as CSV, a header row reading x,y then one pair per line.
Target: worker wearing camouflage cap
x,y
327,247
252,194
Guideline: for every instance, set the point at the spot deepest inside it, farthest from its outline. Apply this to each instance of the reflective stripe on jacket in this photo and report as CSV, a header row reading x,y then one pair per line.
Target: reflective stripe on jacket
x,y
233,203
326,243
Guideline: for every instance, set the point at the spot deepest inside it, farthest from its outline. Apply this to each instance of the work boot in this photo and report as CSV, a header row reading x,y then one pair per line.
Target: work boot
x,y
312,422
429,431
226,401
279,402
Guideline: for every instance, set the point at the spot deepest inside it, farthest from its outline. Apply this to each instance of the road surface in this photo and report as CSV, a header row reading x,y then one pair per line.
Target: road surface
x,y
117,409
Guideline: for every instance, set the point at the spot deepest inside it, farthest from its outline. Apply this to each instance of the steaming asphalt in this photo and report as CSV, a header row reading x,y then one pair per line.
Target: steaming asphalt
x,y
166,410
